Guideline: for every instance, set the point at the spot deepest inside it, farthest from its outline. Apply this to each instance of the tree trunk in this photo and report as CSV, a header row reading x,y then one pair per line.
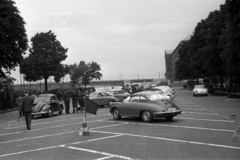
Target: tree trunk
x,y
45,83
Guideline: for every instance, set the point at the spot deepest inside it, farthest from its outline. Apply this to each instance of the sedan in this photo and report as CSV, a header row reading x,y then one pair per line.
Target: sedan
x,y
46,105
102,98
147,105
200,90
118,94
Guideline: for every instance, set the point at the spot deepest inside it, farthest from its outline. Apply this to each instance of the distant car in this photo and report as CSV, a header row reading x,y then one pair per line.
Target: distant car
x,y
46,105
102,98
200,90
118,94
169,97
147,105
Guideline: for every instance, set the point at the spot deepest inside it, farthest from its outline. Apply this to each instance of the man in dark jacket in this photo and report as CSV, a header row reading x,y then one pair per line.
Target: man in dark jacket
x,y
74,101
66,98
27,103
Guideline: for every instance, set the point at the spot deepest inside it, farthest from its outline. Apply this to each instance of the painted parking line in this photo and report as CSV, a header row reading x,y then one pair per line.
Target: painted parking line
x,y
213,114
212,120
57,134
174,126
109,155
172,140
62,125
51,147
56,121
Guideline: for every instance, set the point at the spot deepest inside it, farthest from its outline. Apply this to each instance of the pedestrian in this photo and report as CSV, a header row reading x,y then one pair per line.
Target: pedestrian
x,y
27,103
74,101
81,99
66,99
19,105
59,95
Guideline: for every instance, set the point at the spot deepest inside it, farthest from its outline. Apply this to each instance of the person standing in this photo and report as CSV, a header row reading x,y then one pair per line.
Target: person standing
x,y
81,100
66,99
19,104
74,101
59,95
27,103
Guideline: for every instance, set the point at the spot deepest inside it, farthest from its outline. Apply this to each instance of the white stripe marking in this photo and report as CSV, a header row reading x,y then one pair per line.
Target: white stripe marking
x,y
212,120
173,140
55,121
98,152
43,136
201,113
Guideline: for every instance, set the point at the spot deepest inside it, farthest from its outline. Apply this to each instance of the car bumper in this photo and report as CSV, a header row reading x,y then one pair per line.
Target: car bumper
x,y
39,113
201,93
166,114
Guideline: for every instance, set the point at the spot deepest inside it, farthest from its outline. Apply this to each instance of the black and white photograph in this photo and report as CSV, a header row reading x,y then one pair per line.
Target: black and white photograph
x,y
119,79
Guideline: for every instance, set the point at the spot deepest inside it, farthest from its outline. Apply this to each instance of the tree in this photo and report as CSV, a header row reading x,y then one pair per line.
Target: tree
x,y
230,40
84,72
44,60
13,38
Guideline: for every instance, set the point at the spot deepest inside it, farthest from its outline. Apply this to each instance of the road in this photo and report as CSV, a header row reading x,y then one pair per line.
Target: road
x,y
203,131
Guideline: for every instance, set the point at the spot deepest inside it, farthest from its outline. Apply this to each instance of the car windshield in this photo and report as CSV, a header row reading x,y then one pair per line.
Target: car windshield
x,y
104,94
154,97
166,102
110,92
200,86
41,99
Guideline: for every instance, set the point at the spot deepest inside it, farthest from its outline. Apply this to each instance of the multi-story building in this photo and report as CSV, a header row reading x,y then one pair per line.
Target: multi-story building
x,y
171,57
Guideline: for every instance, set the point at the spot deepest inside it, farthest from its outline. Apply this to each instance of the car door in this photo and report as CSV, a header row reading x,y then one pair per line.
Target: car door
x,y
53,103
131,106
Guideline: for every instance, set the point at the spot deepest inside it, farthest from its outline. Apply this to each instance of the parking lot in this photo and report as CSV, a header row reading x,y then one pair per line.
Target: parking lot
x,y
204,130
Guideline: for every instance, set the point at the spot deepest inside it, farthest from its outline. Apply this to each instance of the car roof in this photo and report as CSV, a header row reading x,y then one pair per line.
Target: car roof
x,y
145,93
46,95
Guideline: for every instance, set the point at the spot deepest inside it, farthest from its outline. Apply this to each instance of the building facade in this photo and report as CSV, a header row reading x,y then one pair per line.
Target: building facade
x,y
171,57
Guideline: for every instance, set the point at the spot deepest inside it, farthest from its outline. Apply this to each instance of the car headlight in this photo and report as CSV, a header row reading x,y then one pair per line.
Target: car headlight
x,y
44,108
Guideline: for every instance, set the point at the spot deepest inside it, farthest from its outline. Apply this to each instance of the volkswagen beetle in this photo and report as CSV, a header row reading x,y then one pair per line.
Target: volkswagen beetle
x,y
46,105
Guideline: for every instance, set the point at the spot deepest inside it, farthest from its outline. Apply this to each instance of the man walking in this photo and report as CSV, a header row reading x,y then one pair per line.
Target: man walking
x,y
27,103
66,98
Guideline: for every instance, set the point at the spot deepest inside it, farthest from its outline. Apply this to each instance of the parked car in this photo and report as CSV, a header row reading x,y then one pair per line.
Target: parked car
x,y
200,90
165,91
118,94
46,105
102,98
169,97
147,105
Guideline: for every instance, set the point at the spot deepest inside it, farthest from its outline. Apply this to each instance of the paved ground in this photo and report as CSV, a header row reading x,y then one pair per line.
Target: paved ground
x,y
203,131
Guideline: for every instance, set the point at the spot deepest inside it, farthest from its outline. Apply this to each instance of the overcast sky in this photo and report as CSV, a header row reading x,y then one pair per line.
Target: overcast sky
x,y
128,38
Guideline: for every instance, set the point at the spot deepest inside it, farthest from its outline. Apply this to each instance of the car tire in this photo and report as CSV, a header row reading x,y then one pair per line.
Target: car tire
x,y
146,116
206,94
50,112
116,114
109,103
169,118
60,112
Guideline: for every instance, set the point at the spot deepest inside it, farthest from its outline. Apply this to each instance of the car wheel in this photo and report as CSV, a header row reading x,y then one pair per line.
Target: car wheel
x,y
116,114
109,103
194,95
60,112
206,94
50,112
146,116
169,118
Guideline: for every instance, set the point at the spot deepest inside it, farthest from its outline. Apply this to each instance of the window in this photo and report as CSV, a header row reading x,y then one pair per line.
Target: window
x,y
134,99
142,99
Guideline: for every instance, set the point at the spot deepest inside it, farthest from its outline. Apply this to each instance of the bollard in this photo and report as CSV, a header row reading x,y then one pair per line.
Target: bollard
x,y
84,131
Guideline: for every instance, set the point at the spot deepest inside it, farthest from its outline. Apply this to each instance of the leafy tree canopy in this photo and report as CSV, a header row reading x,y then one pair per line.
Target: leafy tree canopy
x,y
44,60
84,72
13,38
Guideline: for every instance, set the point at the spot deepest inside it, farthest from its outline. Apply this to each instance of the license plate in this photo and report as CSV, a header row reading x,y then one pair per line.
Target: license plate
x,y
172,109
